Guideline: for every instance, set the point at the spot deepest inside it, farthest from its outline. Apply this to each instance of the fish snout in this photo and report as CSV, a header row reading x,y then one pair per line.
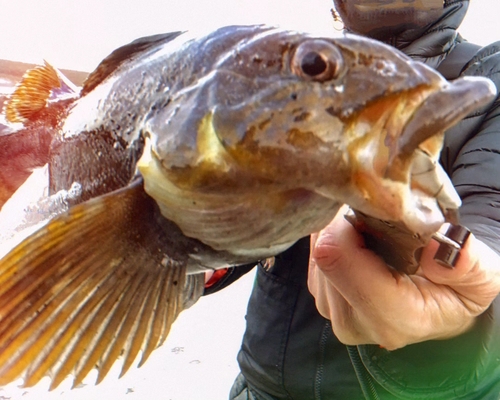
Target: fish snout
x,y
395,170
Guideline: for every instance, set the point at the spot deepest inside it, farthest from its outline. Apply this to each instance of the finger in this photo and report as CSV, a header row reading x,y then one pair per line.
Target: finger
x,y
476,274
325,247
317,286
332,306
358,274
314,238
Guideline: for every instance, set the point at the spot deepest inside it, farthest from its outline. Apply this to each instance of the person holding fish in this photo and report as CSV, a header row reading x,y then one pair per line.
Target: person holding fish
x,y
431,335
183,154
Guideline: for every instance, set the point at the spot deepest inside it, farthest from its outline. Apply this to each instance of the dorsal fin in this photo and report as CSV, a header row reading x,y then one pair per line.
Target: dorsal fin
x,y
38,85
122,54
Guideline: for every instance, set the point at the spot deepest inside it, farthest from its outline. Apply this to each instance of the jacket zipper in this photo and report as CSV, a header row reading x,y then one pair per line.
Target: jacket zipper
x,y
327,329
364,378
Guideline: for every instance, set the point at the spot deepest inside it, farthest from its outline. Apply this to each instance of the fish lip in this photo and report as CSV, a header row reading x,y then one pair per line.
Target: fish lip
x,y
424,133
443,109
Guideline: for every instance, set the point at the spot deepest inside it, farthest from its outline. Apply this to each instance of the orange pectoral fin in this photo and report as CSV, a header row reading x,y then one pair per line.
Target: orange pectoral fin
x,y
93,284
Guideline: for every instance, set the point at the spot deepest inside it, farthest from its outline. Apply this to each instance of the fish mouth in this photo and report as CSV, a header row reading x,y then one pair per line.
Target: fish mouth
x,y
395,170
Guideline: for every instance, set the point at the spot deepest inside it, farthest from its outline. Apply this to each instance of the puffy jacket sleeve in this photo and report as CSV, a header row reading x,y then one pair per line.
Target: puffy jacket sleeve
x,y
468,366
472,157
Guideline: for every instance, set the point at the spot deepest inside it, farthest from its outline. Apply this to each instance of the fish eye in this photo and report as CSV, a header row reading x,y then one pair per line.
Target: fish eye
x,y
317,60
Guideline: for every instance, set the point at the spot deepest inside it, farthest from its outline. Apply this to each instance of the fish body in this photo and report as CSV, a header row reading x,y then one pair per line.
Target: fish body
x,y
197,153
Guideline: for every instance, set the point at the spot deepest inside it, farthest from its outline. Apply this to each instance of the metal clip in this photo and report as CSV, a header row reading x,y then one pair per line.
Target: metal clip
x,y
450,245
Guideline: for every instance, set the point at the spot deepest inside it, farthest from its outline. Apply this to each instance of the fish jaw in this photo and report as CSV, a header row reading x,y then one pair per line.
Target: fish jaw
x,y
396,175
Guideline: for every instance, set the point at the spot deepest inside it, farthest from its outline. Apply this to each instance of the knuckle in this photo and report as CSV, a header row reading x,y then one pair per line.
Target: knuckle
x,y
347,336
391,341
393,337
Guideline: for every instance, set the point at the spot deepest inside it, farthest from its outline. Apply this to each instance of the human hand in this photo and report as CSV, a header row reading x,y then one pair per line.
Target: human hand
x,y
370,303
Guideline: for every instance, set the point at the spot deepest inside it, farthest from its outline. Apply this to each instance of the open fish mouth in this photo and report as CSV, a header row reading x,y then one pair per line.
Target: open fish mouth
x,y
395,166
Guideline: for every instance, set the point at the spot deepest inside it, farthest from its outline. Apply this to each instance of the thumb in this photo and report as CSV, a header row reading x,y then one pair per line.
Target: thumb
x,y
460,273
335,242
476,275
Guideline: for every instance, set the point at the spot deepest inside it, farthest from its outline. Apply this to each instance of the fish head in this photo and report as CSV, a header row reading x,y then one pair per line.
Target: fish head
x,y
348,119
310,102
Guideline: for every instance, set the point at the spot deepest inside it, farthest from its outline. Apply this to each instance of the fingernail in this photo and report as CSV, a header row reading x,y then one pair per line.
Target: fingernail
x,y
447,255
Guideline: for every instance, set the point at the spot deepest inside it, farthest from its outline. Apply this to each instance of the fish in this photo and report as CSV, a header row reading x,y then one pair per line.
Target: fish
x,y
185,153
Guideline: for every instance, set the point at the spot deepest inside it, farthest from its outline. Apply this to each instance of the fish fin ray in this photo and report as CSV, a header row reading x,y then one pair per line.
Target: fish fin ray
x,y
134,345
116,320
128,326
78,307
161,326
